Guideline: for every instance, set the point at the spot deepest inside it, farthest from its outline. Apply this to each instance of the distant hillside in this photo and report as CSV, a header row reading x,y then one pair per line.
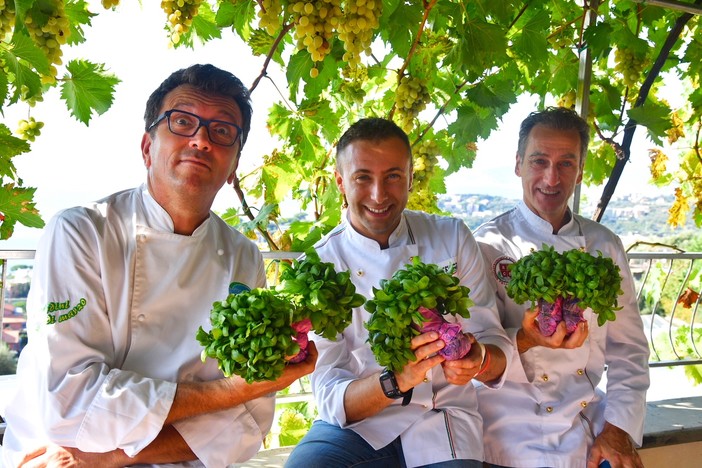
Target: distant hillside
x,y
629,217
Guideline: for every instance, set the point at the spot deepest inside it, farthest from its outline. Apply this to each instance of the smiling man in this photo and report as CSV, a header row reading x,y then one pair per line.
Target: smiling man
x,y
114,378
425,414
549,411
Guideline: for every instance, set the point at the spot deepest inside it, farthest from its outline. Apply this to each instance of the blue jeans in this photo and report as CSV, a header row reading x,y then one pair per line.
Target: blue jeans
x,y
329,446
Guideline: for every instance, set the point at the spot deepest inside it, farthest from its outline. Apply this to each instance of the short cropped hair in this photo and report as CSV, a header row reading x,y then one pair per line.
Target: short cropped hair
x,y
371,129
210,80
557,118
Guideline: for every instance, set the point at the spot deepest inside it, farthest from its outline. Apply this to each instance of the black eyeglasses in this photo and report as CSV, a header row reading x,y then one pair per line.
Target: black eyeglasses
x,y
187,124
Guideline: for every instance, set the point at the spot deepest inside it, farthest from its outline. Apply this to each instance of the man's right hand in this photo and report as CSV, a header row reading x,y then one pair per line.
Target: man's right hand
x,y
53,456
426,347
530,335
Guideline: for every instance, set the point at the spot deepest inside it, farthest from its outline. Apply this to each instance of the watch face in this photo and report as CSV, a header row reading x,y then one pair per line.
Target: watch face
x,y
386,384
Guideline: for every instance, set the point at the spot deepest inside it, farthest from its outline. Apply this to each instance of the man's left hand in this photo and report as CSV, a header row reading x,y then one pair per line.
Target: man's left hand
x,y
462,371
615,446
53,456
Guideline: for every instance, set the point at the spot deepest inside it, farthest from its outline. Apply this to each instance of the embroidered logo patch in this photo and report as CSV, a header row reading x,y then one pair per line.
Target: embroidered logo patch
x,y
500,268
53,307
237,288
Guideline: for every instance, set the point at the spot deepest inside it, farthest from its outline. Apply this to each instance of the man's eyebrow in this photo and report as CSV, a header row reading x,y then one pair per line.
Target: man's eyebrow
x,y
538,154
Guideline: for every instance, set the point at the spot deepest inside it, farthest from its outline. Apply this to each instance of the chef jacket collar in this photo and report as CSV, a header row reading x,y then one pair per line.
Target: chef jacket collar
x,y
571,228
402,235
157,218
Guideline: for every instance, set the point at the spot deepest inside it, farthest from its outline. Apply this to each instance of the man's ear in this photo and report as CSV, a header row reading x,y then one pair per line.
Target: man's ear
x,y
232,176
517,165
146,149
339,181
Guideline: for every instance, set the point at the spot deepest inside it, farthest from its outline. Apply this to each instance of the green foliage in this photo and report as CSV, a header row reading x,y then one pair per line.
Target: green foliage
x,y
546,275
394,309
685,344
8,360
473,59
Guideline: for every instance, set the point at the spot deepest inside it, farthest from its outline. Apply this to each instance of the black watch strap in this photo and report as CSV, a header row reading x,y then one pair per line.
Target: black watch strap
x,y
389,385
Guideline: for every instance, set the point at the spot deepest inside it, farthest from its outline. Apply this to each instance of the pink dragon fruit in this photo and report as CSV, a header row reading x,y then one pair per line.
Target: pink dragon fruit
x,y
457,344
302,328
551,314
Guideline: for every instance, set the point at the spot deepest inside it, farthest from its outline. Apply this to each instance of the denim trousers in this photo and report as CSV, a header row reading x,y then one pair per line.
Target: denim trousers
x,y
329,446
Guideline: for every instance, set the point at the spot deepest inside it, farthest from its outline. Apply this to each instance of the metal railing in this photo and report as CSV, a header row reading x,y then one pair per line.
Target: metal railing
x,y
668,286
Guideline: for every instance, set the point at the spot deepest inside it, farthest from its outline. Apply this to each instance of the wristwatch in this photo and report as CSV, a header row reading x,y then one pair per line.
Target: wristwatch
x,y
389,385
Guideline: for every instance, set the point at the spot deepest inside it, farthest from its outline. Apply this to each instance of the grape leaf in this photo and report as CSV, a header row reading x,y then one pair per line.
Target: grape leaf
x,y
655,117
88,88
78,15
10,146
24,48
17,205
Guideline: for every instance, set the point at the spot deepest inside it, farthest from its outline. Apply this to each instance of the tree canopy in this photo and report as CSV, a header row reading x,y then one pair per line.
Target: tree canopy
x,y
445,70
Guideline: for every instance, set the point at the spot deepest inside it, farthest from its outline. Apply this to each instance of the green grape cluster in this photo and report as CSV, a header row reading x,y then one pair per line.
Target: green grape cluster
x,y
546,275
411,98
7,17
423,199
107,4
320,293
29,129
315,23
353,92
356,29
48,27
269,15
629,64
425,157
180,15
395,318
251,335
568,100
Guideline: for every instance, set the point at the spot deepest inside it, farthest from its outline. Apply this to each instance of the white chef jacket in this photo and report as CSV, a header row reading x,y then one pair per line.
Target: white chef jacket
x,y
548,411
442,422
113,311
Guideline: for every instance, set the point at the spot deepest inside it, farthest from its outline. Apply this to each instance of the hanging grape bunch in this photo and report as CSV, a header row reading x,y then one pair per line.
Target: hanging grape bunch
x,y
7,17
315,23
360,19
29,129
180,14
425,158
411,98
630,64
48,27
269,15
563,285
414,301
107,4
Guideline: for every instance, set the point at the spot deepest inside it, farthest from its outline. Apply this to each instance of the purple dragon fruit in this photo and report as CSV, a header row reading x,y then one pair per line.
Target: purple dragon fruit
x,y
551,314
301,328
457,344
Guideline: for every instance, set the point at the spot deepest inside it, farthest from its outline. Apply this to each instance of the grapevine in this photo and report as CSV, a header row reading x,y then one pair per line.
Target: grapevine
x,y
395,316
29,129
251,335
411,98
356,29
547,275
48,27
630,65
319,293
180,15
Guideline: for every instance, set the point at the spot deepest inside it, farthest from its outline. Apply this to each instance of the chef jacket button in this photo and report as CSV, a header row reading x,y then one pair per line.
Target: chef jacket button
x,y
220,252
549,409
141,317
359,272
583,404
581,372
544,378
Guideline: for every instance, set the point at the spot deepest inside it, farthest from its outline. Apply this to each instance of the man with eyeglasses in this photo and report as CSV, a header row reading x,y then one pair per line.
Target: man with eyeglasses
x,y
112,374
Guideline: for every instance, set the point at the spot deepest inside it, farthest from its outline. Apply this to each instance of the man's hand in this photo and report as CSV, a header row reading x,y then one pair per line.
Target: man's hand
x,y
425,347
615,446
53,456
530,335
461,371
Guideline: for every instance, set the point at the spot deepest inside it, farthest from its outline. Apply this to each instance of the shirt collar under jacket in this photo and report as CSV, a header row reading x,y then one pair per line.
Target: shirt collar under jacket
x,y
159,219
540,224
397,238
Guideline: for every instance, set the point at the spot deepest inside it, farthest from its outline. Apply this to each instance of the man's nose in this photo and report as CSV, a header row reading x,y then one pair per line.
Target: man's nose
x,y
378,192
551,175
201,139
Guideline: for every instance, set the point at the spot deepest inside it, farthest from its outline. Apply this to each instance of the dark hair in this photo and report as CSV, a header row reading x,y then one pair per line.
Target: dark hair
x,y
208,79
557,118
372,129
